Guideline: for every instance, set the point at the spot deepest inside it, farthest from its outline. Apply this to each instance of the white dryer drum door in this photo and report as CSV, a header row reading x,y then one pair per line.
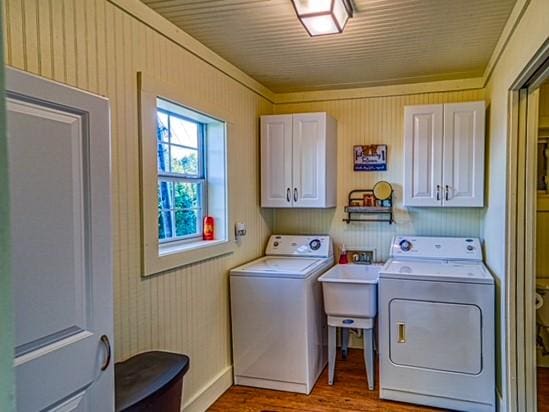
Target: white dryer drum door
x,y
436,335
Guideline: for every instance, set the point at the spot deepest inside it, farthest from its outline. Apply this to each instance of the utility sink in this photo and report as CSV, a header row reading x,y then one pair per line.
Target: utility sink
x,y
351,290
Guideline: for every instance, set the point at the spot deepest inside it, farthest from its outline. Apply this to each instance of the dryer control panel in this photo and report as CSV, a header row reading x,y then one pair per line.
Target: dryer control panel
x,y
294,245
446,248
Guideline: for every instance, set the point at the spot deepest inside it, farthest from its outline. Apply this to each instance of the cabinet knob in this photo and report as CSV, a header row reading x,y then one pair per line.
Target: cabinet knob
x,y
438,192
288,195
446,194
295,194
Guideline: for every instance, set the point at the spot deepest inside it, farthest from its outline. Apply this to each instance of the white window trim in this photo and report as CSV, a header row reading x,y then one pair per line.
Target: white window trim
x,y
158,258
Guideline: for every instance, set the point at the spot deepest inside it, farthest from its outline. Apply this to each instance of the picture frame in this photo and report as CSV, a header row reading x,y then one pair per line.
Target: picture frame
x,y
370,158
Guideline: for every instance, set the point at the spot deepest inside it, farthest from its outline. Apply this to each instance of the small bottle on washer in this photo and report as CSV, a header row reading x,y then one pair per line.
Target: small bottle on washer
x,y
343,256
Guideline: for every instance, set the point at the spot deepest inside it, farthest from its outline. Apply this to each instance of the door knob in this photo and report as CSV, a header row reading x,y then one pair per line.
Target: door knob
x,y
105,341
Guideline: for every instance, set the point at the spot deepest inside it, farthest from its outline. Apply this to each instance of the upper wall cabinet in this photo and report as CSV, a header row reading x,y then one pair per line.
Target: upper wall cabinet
x,y
444,155
298,160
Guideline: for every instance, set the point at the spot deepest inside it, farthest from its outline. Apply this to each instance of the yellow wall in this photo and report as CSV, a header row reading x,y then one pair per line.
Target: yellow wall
x,y
542,223
370,121
100,48
528,37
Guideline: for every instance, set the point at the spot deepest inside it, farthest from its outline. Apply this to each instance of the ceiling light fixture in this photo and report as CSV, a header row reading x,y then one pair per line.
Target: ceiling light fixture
x,y
321,17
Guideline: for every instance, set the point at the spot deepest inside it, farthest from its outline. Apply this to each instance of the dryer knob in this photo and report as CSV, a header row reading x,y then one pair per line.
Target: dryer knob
x,y
314,244
405,245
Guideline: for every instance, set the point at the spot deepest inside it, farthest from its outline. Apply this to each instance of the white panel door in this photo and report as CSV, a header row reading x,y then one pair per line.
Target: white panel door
x,y
276,161
423,155
59,163
463,164
309,160
430,335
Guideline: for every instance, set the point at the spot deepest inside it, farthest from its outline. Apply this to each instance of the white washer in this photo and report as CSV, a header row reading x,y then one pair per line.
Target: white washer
x,y
436,324
278,323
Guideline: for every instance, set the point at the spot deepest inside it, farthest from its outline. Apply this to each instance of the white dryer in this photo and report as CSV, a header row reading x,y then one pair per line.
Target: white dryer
x,y
436,324
278,323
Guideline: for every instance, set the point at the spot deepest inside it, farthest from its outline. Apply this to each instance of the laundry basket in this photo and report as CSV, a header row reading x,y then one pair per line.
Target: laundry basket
x,y
150,382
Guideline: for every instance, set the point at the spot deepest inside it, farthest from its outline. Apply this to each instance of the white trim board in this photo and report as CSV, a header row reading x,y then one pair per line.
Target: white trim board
x,y
210,392
508,30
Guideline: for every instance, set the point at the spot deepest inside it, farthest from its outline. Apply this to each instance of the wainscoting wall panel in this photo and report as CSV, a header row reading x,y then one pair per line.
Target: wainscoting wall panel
x,y
97,46
376,120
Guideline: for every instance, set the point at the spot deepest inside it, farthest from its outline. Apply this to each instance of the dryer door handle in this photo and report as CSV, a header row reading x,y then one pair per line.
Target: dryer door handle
x,y
401,332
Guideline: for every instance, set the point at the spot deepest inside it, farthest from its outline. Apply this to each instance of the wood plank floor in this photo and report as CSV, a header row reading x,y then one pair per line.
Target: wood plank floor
x,y
543,389
349,393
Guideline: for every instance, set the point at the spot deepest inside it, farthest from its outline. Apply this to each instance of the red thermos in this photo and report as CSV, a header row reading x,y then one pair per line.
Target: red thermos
x,y
208,233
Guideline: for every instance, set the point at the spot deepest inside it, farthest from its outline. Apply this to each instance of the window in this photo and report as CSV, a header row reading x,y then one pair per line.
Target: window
x,y
181,176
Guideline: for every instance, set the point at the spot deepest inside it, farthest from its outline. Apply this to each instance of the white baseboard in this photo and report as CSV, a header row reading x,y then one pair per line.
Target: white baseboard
x,y
210,392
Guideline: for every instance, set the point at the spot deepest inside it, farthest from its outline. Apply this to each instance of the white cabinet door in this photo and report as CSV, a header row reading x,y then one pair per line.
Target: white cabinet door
x,y
276,161
423,155
309,165
463,163
59,164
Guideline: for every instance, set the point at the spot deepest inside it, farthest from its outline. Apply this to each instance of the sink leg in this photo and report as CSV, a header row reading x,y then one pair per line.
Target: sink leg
x,y
369,356
331,353
344,342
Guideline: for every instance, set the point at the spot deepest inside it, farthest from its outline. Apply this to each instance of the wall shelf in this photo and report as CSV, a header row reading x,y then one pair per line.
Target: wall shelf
x,y
377,213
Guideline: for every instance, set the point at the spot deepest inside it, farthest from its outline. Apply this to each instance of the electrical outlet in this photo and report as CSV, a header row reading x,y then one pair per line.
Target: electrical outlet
x,y
239,230
361,257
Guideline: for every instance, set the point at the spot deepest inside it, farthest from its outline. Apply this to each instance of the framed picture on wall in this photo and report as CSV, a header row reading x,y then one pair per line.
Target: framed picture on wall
x,y
370,158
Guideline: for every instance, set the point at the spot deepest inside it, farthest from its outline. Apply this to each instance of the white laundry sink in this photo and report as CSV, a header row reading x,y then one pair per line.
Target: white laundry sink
x,y
351,290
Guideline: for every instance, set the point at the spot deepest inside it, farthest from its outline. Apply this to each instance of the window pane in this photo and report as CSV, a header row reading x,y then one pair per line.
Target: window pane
x,y
165,197
187,195
184,161
165,225
163,157
184,132
162,132
186,222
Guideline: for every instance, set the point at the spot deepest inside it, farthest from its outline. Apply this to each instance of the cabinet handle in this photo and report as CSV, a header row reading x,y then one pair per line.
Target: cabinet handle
x,y
288,195
446,193
295,194
401,332
438,192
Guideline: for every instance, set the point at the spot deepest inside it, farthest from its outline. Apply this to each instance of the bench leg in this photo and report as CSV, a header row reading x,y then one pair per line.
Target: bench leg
x,y
369,356
331,353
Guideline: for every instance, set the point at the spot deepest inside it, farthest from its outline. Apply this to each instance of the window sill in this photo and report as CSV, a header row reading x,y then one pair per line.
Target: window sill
x,y
170,249
175,256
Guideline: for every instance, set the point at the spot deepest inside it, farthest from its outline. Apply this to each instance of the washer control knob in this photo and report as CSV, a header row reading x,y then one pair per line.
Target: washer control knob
x,y
275,244
405,245
314,244
470,248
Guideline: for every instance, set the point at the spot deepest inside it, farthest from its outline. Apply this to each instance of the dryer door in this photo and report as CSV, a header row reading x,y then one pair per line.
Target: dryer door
x,y
436,335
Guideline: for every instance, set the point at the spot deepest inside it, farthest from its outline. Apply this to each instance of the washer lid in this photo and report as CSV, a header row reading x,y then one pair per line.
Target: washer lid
x,y
436,270
280,266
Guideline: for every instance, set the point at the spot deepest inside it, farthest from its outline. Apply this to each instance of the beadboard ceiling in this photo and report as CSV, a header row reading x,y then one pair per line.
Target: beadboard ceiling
x,y
386,42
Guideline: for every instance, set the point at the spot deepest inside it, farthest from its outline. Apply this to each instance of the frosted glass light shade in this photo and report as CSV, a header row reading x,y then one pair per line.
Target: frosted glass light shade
x,y
320,17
